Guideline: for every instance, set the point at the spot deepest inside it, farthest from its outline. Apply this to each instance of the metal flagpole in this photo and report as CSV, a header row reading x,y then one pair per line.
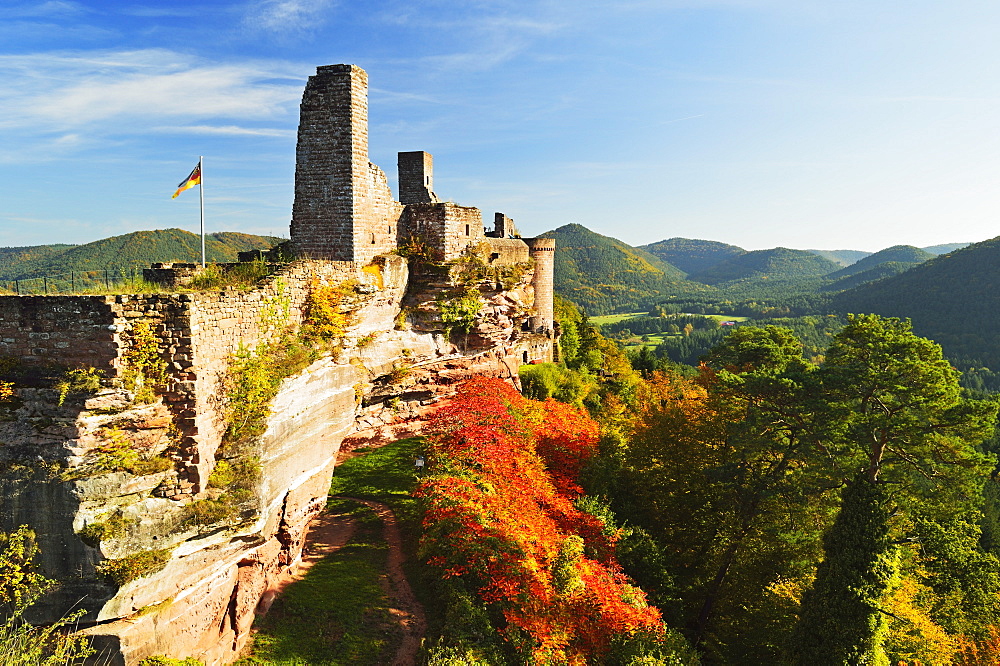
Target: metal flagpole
x,y
201,192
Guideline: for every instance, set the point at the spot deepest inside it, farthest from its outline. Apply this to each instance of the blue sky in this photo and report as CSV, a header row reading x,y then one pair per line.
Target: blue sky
x,y
760,123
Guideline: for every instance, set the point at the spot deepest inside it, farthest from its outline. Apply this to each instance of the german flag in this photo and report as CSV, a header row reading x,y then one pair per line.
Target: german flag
x,y
190,181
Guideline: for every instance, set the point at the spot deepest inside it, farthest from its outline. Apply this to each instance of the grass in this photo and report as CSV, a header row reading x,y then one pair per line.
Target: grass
x,y
653,340
338,614
385,475
722,317
614,319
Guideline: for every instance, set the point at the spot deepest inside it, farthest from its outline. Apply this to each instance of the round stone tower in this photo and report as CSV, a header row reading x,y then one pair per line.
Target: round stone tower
x,y
543,251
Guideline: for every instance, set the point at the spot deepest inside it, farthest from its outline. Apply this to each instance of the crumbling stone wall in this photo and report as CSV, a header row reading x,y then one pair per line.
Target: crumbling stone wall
x,y
503,227
416,177
446,227
222,322
70,330
343,208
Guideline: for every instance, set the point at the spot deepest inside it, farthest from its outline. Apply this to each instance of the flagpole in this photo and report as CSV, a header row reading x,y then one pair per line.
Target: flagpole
x,y
201,192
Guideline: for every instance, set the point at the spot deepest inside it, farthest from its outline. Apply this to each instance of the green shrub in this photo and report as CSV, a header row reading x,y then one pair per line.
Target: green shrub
x,y
131,567
206,512
243,275
398,374
243,473
118,454
145,370
77,380
460,312
22,644
324,320
113,527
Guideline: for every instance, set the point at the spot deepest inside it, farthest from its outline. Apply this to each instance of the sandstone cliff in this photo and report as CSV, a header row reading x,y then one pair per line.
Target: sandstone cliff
x,y
169,533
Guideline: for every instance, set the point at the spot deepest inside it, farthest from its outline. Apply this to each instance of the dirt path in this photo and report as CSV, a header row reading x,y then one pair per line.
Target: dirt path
x,y
404,605
328,533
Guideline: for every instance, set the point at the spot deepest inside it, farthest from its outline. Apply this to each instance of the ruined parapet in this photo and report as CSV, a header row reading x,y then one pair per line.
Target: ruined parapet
x,y
171,274
343,207
445,227
503,227
543,252
416,177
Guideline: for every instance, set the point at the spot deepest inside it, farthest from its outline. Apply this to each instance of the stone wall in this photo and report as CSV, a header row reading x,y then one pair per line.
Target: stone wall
x,y
67,330
507,251
331,162
446,227
503,227
416,177
343,208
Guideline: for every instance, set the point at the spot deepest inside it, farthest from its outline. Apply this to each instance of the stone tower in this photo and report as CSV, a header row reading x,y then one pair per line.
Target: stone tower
x,y
543,251
416,177
343,208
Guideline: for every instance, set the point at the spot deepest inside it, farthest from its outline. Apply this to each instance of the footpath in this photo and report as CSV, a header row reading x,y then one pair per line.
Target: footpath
x,y
330,532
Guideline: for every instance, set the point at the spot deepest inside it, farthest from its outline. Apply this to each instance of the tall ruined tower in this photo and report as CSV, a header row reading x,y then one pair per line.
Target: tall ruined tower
x,y
343,208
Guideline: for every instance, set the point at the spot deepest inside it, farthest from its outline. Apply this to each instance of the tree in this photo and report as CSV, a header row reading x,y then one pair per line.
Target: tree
x,y
22,644
720,481
902,441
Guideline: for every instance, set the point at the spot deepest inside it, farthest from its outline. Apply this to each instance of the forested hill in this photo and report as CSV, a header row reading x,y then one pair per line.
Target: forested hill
x,y
15,256
945,248
952,299
877,272
898,254
137,249
779,263
692,255
604,274
842,257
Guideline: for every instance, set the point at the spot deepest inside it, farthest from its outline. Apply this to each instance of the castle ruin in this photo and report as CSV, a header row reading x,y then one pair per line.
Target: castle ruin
x,y
347,236
344,209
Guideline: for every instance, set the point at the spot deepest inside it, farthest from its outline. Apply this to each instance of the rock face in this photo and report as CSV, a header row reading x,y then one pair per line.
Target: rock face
x,y
62,469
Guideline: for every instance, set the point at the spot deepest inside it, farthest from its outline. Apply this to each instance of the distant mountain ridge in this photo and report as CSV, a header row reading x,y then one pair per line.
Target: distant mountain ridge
x,y
842,257
952,298
603,274
692,255
777,263
897,254
945,248
136,249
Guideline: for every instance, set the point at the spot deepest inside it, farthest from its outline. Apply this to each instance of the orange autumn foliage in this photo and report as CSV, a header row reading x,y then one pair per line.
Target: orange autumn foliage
x,y
973,652
500,514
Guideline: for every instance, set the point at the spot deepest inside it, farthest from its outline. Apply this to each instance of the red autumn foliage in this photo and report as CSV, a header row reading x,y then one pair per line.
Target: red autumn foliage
x,y
500,514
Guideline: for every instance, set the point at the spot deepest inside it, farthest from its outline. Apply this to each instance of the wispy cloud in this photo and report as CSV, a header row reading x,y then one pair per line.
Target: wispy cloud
x,y
49,9
158,12
287,17
67,91
231,130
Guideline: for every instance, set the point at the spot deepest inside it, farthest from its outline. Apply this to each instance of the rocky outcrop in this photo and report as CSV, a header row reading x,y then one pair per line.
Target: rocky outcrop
x,y
131,520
